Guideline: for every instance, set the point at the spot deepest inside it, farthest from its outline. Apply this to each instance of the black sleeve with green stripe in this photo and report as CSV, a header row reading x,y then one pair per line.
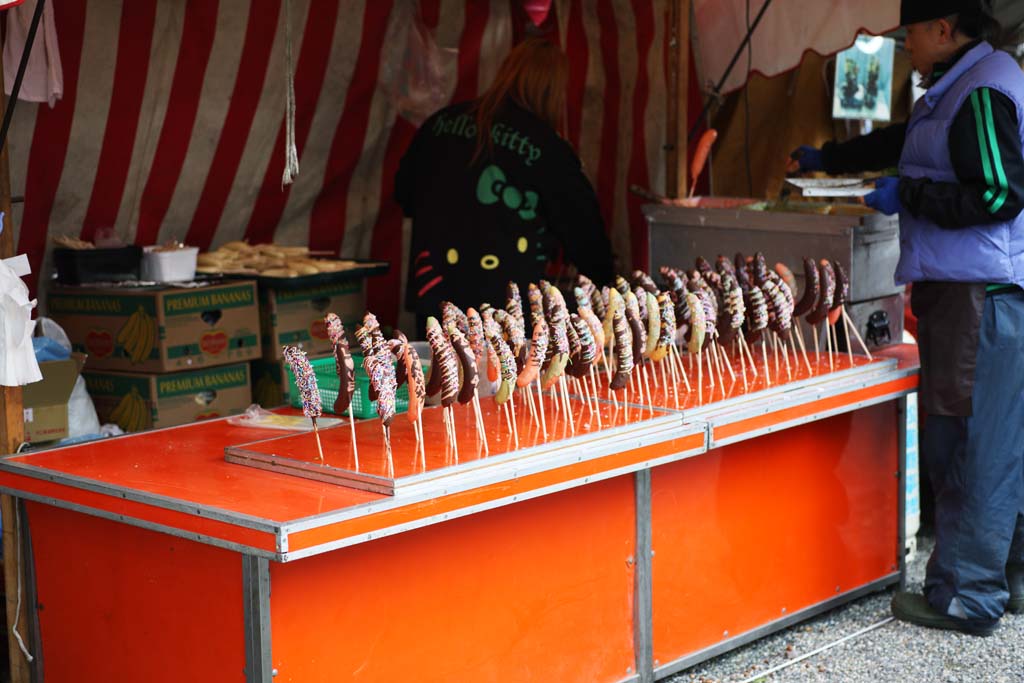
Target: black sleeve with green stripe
x,y
985,148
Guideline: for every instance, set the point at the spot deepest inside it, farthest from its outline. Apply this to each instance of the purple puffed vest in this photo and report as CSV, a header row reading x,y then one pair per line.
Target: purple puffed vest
x,y
992,253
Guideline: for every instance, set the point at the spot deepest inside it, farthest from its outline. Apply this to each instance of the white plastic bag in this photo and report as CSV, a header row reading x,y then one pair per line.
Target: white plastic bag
x,y
418,79
18,364
82,418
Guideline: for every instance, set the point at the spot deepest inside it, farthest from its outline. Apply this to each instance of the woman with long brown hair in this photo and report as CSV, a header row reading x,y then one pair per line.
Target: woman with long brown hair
x,y
493,190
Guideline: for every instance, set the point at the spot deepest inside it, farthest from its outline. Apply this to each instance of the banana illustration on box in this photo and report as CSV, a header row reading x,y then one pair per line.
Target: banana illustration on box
x,y
131,413
138,336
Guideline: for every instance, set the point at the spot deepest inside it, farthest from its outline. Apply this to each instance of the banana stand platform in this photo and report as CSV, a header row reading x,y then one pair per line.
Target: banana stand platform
x,y
632,541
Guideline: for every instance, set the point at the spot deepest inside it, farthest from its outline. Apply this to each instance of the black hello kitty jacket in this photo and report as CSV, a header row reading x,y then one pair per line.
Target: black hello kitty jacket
x,y
478,224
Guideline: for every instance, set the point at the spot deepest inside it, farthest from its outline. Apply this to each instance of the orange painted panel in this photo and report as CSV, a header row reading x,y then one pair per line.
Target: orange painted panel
x,y
187,463
118,603
485,494
174,519
751,532
537,591
822,405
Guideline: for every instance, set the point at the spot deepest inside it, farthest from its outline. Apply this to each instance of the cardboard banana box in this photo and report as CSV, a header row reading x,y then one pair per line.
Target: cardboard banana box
x,y
160,329
143,401
296,316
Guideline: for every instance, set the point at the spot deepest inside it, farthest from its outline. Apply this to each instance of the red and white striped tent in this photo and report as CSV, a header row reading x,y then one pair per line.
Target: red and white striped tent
x,y
172,123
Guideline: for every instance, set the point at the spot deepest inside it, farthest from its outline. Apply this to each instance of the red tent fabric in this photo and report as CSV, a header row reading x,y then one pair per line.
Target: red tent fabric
x,y
177,128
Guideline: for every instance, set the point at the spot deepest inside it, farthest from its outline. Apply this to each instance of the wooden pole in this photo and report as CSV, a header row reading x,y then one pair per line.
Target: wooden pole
x,y
678,87
12,434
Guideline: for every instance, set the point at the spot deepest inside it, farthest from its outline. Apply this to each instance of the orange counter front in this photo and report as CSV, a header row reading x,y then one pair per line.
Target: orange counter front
x,y
618,552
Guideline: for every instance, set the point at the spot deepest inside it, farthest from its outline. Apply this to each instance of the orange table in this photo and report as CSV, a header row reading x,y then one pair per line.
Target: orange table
x,y
154,559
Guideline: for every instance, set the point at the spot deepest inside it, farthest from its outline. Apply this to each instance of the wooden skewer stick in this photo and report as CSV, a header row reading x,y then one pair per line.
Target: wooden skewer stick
x,y
803,349
817,348
785,357
515,424
712,366
355,451
387,447
319,446
597,406
568,406
828,346
745,348
727,364
423,450
743,365
611,395
719,363
700,376
686,380
764,355
846,316
775,352
647,386
482,429
849,342
455,436
540,409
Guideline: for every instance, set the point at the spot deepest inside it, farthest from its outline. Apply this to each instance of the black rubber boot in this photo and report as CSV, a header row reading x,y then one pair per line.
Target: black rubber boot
x,y
914,608
1015,577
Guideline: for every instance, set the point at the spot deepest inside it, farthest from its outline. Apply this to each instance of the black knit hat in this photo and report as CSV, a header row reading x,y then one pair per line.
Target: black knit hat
x,y
916,11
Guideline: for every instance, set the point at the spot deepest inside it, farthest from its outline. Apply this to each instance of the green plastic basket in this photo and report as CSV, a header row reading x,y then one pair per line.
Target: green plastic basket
x,y
327,380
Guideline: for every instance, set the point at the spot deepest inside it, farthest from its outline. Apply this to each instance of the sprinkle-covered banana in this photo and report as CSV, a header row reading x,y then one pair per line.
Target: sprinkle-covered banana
x,y
470,374
622,285
757,313
514,302
623,350
477,342
653,323
414,377
828,292
735,306
697,323
535,358
639,334
615,303
760,269
641,303
596,330
453,315
642,279
536,300
381,371
508,369
597,302
780,314
667,332
581,361
723,265
343,363
444,365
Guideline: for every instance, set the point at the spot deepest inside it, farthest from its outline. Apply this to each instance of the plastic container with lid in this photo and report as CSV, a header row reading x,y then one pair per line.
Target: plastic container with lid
x,y
171,265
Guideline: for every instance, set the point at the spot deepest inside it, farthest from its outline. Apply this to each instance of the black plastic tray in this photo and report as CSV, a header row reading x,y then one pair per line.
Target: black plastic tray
x,y
84,266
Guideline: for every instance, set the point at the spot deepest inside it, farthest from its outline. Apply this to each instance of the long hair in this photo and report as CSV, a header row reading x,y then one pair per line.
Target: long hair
x,y
534,76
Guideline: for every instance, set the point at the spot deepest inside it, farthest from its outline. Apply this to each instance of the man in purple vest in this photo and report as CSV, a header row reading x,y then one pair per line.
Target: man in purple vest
x,y
960,195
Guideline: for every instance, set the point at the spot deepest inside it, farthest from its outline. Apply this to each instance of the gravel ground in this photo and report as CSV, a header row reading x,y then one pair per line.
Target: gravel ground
x,y
895,652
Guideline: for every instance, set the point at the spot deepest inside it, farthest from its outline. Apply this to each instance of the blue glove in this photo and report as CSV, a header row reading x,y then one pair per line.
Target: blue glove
x,y
809,158
886,197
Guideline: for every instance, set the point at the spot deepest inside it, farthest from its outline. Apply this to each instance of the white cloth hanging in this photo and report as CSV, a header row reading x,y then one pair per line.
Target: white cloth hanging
x,y
18,364
44,76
